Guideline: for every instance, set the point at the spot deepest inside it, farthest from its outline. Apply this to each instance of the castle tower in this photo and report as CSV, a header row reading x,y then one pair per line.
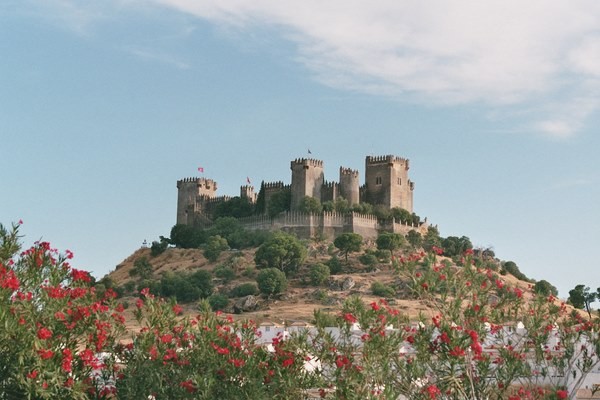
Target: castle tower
x,y
349,185
189,191
307,180
387,183
247,192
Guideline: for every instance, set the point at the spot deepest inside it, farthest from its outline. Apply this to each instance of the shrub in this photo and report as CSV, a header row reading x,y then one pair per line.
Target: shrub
x,y
319,274
368,259
271,281
224,272
218,301
214,247
382,290
244,289
141,268
158,248
335,266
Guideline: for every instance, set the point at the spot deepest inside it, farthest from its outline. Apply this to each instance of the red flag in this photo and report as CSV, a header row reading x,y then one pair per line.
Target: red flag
x,y
200,169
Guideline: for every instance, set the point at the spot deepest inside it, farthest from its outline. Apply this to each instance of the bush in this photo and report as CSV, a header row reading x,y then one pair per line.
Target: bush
x,y
224,272
271,281
319,274
244,289
214,247
141,268
513,269
382,290
158,248
335,266
368,259
218,301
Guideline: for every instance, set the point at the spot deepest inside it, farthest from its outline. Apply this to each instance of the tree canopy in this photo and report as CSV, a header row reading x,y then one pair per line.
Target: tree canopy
x,y
348,243
283,251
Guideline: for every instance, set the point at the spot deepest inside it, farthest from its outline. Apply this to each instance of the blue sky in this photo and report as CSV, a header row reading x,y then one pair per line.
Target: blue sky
x,y
105,105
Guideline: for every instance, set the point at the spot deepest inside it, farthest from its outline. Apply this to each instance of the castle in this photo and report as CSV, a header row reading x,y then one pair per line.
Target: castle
x,y
386,184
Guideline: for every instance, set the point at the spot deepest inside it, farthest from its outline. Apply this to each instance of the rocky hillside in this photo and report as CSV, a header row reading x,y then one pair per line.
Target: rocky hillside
x,y
299,301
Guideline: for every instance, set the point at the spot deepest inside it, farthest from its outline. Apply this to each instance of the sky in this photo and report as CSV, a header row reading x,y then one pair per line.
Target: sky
x,y
105,105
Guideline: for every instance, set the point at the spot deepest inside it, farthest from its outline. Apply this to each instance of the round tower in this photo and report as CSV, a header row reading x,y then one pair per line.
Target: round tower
x,y
349,185
307,180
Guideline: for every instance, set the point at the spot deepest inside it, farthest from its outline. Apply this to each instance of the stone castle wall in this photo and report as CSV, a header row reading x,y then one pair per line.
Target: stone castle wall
x,y
327,224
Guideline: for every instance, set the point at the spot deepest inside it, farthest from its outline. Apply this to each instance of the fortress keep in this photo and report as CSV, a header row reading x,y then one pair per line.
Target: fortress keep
x,y
386,184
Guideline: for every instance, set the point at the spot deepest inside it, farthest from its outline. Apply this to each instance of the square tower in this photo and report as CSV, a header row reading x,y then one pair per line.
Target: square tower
x,y
387,183
307,180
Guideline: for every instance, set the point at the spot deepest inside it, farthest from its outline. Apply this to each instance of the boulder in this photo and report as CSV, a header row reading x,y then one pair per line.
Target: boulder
x,y
245,304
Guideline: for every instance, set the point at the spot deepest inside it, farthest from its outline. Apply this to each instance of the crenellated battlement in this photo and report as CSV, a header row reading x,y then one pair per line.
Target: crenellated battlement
x,y
307,162
330,184
218,199
273,185
348,171
388,159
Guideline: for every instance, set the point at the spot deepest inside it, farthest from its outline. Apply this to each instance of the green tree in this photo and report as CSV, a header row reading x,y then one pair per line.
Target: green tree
x,y
187,237
414,238
545,288
141,268
513,269
214,246
342,205
456,246
319,274
158,248
310,205
432,238
271,281
282,251
328,206
402,215
390,241
236,207
348,243
363,208
279,202
581,297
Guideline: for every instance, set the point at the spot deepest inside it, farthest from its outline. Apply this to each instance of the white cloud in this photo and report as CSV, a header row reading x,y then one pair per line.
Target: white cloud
x,y
502,52
508,54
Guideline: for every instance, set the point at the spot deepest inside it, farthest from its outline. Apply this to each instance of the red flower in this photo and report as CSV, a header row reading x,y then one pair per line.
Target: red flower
x,y
350,318
44,333
177,309
32,375
188,385
67,360
166,338
562,394
287,362
45,354
79,275
433,391
343,362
